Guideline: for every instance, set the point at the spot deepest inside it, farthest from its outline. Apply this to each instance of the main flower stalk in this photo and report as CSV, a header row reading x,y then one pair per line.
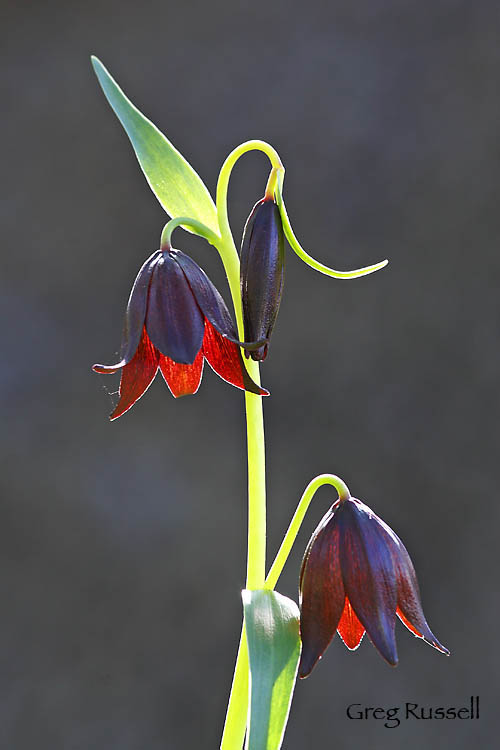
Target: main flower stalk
x,y
236,717
256,560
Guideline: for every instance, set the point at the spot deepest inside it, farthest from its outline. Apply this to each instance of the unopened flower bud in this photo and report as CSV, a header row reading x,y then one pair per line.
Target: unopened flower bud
x,y
262,272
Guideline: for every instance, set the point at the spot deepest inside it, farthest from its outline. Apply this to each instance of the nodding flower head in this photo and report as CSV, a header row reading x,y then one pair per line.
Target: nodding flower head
x,y
262,272
176,319
357,576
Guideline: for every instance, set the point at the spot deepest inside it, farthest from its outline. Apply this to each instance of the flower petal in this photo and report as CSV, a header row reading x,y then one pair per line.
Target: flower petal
x,y
134,317
182,380
108,369
349,628
224,357
137,375
174,321
369,575
210,301
322,593
207,296
409,609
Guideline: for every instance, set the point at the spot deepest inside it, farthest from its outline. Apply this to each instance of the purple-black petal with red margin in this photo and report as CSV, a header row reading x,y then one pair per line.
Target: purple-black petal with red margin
x,y
224,357
409,608
137,375
369,575
174,321
322,593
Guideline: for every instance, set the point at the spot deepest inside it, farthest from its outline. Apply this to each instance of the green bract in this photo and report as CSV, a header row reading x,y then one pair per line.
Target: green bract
x,y
272,628
173,180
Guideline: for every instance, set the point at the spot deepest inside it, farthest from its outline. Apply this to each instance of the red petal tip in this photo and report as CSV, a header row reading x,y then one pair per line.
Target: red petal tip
x,y
264,392
350,630
137,376
104,369
182,380
431,641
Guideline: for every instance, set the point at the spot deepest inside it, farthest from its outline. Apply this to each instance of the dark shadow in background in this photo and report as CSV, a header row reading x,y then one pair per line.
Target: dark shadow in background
x,y
122,545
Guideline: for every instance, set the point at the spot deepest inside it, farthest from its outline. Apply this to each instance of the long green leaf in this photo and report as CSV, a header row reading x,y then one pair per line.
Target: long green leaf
x,y
172,179
272,627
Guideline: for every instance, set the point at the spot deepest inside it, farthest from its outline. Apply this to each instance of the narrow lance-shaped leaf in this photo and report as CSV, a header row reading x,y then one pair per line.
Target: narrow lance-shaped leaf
x,y
172,179
272,628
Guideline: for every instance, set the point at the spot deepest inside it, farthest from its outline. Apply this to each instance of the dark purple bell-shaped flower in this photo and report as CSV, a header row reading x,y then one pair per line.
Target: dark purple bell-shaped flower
x,y
262,271
357,576
175,320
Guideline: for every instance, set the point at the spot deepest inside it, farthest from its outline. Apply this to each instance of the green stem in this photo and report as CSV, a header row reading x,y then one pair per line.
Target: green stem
x,y
237,709
236,717
256,565
271,184
256,560
197,227
225,173
295,523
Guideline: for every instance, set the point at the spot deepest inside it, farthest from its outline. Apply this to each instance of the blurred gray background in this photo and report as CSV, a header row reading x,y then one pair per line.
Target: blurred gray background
x,y
123,545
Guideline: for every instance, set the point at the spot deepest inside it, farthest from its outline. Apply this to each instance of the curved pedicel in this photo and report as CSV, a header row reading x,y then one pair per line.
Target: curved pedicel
x,y
308,259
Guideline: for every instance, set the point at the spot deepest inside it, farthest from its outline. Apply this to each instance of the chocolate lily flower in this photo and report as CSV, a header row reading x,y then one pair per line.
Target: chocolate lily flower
x,y
262,271
357,575
176,319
